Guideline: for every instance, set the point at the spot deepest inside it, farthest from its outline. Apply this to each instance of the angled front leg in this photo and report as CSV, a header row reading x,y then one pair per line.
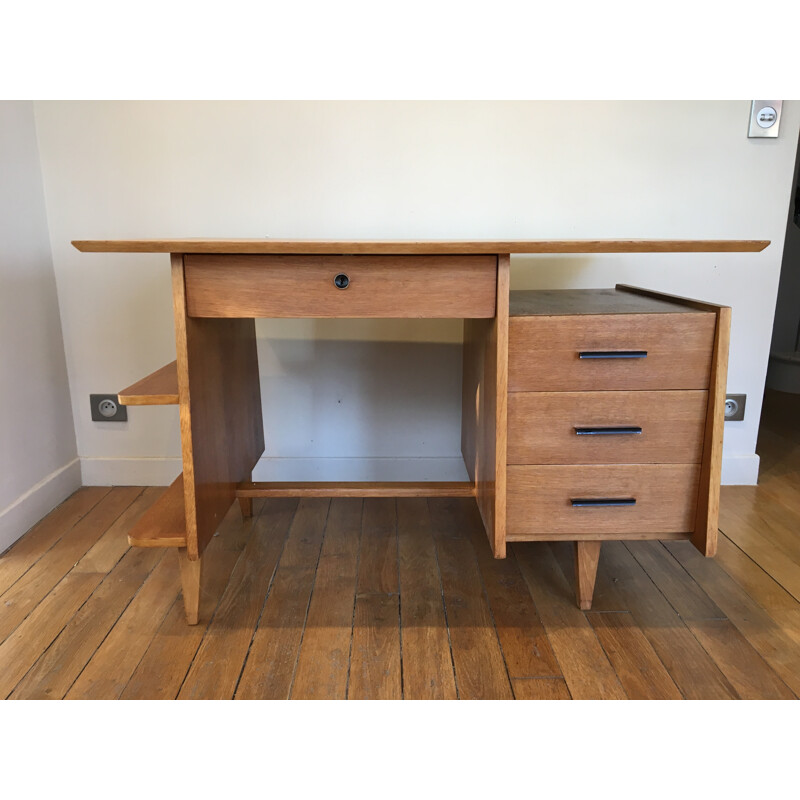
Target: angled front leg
x,y
587,555
190,582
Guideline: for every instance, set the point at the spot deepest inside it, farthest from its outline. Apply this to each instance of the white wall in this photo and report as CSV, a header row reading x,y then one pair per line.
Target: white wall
x,y
38,456
349,407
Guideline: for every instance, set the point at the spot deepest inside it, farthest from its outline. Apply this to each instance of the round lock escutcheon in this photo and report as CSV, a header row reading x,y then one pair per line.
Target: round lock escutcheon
x,y
341,281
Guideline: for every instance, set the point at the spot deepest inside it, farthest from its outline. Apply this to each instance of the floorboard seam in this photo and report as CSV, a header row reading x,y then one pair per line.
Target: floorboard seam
x,y
266,596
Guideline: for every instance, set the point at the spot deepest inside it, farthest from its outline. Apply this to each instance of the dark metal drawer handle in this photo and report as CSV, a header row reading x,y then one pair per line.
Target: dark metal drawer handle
x,y
602,502
613,354
608,431
341,281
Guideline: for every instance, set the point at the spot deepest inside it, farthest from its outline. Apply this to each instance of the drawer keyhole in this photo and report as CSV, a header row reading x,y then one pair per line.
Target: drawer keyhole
x,y
341,281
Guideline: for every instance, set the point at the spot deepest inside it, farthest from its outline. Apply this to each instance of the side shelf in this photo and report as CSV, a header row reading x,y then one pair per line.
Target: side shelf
x,y
158,389
164,523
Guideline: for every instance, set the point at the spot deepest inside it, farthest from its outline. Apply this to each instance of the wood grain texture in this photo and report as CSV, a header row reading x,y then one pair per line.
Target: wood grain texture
x,y
217,667
477,655
22,597
636,663
410,246
303,286
222,429
705,530
324,659
622,584
539,499
375,670
356,489
114,661
25,552
90,608
160,388
544,352
484,426
191,573
580,302
160,673
375,666
706,526
272,658
776,644
541,427
164,523
540,689
587,555
586,668
427,660
61,663
523,638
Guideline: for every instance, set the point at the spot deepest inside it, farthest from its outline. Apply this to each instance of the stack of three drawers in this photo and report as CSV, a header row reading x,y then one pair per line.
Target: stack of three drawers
x,y
613,432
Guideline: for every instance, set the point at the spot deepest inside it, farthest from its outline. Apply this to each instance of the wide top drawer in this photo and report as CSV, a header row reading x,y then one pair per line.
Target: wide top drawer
x,y
449,286
597,353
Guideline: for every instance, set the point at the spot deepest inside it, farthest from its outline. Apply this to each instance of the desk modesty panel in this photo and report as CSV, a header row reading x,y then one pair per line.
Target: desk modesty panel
x,y
588,461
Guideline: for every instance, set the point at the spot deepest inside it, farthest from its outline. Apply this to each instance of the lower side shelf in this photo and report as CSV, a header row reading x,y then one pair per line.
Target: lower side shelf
x,y
164,523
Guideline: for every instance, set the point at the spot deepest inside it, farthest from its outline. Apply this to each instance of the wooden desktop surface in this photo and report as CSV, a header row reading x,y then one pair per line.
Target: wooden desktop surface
x,y
419,246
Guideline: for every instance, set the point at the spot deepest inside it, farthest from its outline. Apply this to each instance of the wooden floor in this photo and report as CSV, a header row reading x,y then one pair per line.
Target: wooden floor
x,y
402,599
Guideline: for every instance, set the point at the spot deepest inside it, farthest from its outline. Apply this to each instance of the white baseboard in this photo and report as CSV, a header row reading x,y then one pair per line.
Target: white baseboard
x,y
740,470
130,471
17,518
162,471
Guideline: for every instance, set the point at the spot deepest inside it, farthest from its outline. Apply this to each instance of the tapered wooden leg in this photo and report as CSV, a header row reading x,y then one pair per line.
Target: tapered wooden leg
x,y
587,554
246,504
190,581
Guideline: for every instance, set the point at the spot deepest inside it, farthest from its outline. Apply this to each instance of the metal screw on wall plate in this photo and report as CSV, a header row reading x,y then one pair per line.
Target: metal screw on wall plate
x,y
107,408
734,407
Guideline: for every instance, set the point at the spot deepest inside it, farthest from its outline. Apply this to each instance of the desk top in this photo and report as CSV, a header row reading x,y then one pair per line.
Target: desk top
x,y
419,246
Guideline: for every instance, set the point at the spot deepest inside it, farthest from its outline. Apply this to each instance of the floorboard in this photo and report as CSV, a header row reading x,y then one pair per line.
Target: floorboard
x,y
390,599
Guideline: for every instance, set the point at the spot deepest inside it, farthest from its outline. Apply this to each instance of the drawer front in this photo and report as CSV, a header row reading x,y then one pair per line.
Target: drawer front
x,y
540,499
376,286
606,427
610,352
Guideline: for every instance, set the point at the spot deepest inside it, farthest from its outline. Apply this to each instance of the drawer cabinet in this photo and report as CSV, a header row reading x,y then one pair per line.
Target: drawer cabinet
x,y
615,413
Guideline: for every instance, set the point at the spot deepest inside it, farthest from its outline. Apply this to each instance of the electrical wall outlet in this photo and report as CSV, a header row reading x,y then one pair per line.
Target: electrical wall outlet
x,y
734,407
765,119
107,408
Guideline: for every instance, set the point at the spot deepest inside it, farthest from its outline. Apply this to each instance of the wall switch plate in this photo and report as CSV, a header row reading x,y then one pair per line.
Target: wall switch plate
x,y
107,408
734,407
765,119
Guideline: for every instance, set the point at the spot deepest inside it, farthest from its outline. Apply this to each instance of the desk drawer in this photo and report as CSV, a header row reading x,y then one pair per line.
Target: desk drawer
x,y
540,499
604,352
606,427
376,286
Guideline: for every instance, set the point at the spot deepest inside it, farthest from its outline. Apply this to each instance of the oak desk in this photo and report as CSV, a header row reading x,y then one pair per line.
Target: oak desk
x,y
221,285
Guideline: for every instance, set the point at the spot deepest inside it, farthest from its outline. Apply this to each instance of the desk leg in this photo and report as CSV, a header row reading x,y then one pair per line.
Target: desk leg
x,y
587,555
246,503
190,582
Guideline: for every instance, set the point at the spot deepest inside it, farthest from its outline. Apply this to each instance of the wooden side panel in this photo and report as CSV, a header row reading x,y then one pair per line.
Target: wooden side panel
x,y
485,411
705,533
445,286
706,527
222,433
